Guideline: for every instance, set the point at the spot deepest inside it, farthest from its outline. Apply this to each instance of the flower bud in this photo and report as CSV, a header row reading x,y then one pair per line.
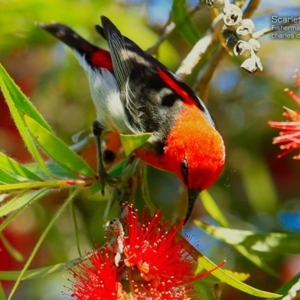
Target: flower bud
x,y
244,32
248,22
226,32
255,44
231,40
233,18
215,3
251,64
242,49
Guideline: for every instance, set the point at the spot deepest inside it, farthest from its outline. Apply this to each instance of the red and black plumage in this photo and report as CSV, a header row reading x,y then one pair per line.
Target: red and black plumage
x,y
134,93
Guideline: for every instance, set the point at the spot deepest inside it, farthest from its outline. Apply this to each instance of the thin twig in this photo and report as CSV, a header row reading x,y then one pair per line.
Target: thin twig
x,y
200,48
227,7
251,8
265,31
205,75
168,29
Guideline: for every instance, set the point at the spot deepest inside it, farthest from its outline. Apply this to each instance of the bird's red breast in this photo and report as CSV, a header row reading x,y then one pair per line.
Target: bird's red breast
x,y
194,139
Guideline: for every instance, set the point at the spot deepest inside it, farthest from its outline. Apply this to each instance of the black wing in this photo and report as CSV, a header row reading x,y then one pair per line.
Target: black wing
x,y
152,95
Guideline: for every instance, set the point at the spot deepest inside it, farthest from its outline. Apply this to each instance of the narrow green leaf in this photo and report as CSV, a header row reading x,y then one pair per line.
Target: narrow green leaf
x,y
146,190
132,141
237,275
59,172
183,22
259,185
95,187
14,167
2,294
284,289
31,185
213,209
11,250
39,242
284,243
256,259
57,150
231,280
215,212
21,201
18,105
32,274
56,171
118,169
7,178
75,225
40,272
21,102
8,219
128,173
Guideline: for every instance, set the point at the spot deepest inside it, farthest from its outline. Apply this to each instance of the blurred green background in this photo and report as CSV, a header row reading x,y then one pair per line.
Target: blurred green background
x,y
257,191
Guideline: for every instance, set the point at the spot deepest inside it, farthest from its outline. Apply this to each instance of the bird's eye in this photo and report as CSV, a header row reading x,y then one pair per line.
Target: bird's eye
x,y
169,99
184,170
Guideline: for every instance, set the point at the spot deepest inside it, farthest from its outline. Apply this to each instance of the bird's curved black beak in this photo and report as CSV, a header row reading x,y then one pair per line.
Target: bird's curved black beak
x,y
192,196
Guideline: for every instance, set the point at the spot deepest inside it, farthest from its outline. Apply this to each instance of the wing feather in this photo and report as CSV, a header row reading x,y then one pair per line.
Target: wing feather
x,y
145,83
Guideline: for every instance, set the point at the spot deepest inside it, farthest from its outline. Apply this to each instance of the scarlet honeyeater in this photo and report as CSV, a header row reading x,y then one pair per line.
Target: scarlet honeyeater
x,y
134,93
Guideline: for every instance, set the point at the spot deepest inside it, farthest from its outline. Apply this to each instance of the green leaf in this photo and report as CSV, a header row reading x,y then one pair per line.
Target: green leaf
x,y
40,272
21,201
8,219
59,172
10,165
2,295
50,184
231,280
56,171
284,243
259,185
95,187
184,24
75,225
21,102
6,178
146,190
39,242
57,150
32,274
18,105
284,289
11,250
132,141
215,212
237,275
118,169
213,209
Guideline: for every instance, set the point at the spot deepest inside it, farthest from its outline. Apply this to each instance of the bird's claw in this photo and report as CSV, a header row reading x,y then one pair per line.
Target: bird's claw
x,y
106,179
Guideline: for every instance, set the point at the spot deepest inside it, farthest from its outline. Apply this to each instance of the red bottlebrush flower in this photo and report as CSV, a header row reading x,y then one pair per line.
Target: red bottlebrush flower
x,y
97,278
148,261
158,258
289,137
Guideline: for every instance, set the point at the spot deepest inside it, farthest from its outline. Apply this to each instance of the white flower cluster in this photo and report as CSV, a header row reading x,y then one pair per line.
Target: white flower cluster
x,y
238,34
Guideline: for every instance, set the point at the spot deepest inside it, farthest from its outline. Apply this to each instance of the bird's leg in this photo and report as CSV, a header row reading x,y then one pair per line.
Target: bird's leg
x,y
97,131
103,176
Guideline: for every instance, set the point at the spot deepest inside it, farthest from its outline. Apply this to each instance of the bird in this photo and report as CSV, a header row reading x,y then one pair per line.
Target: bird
x,y
133,93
